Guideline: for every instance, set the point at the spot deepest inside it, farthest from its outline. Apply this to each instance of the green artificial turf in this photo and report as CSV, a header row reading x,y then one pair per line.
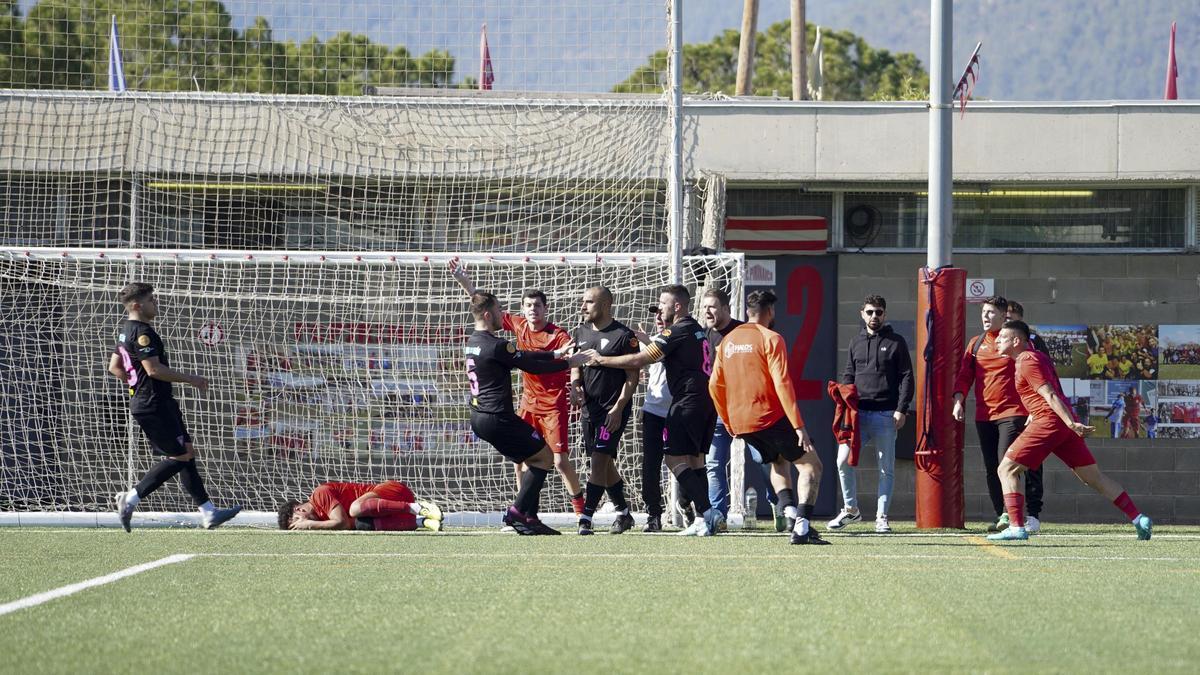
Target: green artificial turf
x,y
1080,598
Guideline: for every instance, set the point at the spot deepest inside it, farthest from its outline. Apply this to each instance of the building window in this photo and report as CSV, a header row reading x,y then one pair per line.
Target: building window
x,y
1020,218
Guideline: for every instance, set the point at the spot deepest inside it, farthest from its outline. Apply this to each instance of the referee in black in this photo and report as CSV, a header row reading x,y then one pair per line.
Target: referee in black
x,y
490,361
140,361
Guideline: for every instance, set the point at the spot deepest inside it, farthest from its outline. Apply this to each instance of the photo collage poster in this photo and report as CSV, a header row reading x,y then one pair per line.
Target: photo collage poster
x,y
1129,380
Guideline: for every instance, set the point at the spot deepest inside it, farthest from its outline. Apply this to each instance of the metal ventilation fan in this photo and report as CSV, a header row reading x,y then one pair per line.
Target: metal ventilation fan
x,y
862,225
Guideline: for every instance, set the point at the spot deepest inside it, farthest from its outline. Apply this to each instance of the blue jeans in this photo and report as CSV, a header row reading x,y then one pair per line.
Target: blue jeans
x,y
717,468
880,427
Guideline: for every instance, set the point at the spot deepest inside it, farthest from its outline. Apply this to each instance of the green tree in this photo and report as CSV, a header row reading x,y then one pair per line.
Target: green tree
x,y
854,71
183,45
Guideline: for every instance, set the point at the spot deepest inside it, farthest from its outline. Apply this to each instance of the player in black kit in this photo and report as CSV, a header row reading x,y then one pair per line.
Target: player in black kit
x,y
684,349
490,361
140,361
604,394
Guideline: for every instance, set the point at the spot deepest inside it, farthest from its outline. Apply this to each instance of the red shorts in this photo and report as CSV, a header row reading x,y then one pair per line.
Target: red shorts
x,y
551,425
396,522
1041,439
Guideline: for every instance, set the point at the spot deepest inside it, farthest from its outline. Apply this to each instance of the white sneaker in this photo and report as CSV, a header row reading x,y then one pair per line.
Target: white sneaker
x,y
881,525
694,529
844,518
1032,525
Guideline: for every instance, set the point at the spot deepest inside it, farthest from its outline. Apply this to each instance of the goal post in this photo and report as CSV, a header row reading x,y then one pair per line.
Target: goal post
x,y
324,366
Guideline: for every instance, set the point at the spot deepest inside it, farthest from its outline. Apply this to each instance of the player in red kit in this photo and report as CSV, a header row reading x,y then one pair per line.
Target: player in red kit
x,y
1052,430
389,505
545,402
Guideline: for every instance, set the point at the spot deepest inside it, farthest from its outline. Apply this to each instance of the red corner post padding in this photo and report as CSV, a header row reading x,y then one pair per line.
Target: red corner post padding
x,y
941,327
845,417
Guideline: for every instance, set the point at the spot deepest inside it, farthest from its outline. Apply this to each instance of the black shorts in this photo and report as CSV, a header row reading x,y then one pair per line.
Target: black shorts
x,y
165,429
596,437
690,429
509,434
777,440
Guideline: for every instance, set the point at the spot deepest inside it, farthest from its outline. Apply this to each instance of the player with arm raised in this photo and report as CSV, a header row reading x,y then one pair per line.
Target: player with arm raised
x,y
544,403
140,361
684,348
1052,430
490,361
753,394
605,394
387,506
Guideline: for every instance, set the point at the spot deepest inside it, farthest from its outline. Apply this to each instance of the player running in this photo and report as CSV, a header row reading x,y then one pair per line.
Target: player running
x,y
684,348
604,394
544,402
490,361
753,394
387,506
1052,429
140,361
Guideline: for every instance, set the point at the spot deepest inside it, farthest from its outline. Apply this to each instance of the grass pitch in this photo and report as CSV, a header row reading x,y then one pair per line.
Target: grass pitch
x,y
1071,599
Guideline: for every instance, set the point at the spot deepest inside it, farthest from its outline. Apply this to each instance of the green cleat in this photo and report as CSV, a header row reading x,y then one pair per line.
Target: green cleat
x,y
1143,525
780,523
1010,534
1000,525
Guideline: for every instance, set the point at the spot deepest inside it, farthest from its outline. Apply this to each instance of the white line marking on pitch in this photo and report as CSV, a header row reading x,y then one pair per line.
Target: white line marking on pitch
x,y
40,598
730,556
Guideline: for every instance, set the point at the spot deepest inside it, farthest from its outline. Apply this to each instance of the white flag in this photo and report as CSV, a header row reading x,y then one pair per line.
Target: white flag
x,y
816,78
116,70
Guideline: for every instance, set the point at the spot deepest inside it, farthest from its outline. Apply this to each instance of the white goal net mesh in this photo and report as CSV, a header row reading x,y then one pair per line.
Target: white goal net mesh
x,y
333,366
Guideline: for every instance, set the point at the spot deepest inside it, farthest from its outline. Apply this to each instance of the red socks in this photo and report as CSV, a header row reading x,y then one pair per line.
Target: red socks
x,y
375,507
1124,503
1014,503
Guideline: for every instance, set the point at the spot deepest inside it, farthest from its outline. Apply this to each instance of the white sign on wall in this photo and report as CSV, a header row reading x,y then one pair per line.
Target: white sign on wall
x,y
979,290
760,272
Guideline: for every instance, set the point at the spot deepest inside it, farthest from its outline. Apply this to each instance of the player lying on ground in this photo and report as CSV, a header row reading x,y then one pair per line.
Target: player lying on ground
x,y
490,362
1052,430
387,506
140,361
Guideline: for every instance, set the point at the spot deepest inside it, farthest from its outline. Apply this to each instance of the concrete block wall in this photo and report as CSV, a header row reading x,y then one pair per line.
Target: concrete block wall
x,y
1162,476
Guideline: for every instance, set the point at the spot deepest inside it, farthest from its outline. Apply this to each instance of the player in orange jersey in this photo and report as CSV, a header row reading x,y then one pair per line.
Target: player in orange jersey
x,y
753,393
545,404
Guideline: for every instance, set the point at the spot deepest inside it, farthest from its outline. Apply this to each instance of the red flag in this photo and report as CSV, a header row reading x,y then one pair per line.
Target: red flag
x,y
1172,71
773,235
966,83
486,77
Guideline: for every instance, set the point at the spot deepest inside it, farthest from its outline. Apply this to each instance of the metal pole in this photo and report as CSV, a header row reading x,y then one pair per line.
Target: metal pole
x,y
799,52
941,200
675,177
745,66
130,432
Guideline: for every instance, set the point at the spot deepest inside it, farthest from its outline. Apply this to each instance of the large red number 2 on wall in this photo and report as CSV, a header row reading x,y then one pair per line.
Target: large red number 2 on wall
x,y
805,293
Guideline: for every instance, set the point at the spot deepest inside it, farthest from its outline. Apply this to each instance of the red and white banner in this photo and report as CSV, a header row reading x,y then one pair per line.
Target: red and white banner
x,y
777,235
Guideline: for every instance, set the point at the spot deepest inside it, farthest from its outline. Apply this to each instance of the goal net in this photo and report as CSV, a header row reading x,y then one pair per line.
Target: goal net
x,y
324,366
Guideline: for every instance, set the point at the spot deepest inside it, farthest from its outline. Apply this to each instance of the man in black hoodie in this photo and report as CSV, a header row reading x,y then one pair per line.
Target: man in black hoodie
x,y
878,364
